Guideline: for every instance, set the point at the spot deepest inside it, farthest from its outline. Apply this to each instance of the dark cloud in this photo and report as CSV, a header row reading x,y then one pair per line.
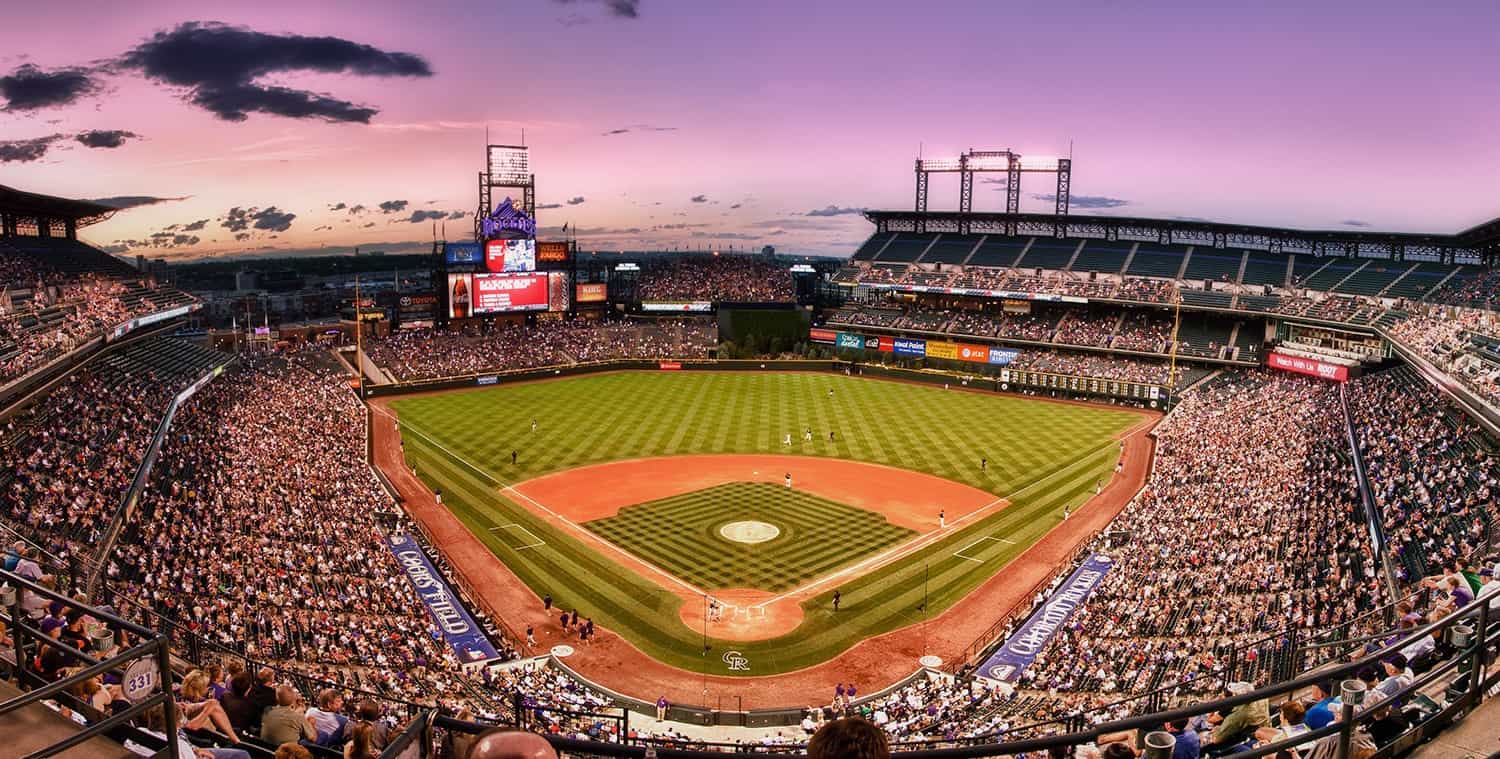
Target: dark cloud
x,y
418,217
29,88
195,226
242,236
393,206
639,128
337,207
548,206
835,211
356,210
1354,223
458,214
577,200
163,239
617,8
218,65
667,227
270,219
368,225
105,138
1084,201
736,205
133,201
26,151
699,198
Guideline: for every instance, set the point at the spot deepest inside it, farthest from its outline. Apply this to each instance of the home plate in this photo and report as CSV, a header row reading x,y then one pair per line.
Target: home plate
x,y
931,661
566,651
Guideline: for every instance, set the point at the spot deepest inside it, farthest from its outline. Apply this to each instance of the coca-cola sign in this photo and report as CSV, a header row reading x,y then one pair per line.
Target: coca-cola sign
x,y
1309,366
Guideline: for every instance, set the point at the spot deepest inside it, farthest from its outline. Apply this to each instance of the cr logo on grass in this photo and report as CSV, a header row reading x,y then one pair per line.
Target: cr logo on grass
x,y
736,661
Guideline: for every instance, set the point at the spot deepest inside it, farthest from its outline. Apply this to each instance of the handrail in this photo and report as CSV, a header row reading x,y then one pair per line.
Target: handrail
x,y
1472,684
22,635
1367,496
132,494
419,729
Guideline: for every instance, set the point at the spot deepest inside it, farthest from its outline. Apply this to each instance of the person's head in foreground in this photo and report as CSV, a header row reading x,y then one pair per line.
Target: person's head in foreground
x,y
848,738
504,743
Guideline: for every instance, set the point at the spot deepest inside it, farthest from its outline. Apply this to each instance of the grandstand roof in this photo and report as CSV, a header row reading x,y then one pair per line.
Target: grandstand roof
x,y
33,204
1481,242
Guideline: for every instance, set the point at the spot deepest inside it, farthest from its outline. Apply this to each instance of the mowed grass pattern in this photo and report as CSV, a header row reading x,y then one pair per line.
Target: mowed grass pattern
x,y
1043,457
635,415
681,535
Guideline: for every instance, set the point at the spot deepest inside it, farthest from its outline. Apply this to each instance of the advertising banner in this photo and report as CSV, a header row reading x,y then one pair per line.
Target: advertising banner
x,y
1309,366
462,253
977,353
1026,643
697,306
460,296
942,350
552,252
669,366
592,292
909,347
1003,356
559,291
500,293
823,335
510,255
975,293
851,341
453,621
874,343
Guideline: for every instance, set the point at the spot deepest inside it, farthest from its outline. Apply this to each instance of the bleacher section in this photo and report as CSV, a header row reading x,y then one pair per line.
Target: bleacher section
x,y
906,248
1375,277
1422,279
950,249
1206,298
1102,256
999,251
872,246
1304,267
1046,253
1265,269
1216,265
1155,261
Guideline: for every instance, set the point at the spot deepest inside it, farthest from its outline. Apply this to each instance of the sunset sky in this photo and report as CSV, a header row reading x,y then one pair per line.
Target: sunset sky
x,y
699,122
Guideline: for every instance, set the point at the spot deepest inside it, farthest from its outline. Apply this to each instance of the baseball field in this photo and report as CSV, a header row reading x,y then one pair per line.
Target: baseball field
x,y
634,497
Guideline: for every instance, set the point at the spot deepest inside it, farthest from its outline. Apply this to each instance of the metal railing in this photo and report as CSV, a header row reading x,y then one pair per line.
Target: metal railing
x,y
1461,681
28,641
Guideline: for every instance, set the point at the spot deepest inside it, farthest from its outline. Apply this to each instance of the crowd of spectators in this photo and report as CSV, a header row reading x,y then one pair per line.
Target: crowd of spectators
x,y
1104,366
1479,291
1249,525
716,278
1144,332
427,353
1089,328
261,532
1435,488
1465,343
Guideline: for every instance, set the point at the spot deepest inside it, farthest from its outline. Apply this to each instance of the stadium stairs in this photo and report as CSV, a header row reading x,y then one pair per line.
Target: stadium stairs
x,y
34,727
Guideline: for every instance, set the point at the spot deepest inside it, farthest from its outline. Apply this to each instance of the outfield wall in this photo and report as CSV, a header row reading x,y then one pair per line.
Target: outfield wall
x,y
1019,382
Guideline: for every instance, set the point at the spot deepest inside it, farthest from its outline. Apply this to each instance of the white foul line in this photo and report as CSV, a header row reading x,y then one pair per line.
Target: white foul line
x,y
522,528
603,542
960,552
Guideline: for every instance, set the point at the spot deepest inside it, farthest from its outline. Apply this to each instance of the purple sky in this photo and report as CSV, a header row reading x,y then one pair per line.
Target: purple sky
x,y
1311,116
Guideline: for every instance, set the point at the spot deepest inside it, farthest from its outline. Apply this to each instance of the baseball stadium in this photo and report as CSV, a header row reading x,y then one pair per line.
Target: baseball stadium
x,y
1015,482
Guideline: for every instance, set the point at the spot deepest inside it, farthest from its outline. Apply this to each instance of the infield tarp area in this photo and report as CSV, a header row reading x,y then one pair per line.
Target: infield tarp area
x,y
1023,646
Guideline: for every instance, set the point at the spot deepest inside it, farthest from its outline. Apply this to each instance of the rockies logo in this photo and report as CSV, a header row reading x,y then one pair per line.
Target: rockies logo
x,y
736,661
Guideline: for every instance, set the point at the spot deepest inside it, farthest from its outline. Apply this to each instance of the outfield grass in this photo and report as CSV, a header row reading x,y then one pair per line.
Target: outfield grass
x,y
682,535
1042,456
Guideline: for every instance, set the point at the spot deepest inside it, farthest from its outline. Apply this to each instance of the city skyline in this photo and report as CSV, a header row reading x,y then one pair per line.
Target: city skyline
x,y
279,128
